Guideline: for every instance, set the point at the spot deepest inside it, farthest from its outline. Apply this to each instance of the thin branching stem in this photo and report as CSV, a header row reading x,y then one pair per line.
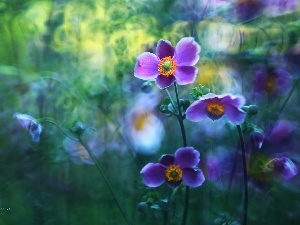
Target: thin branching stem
x,y
288,97
245,206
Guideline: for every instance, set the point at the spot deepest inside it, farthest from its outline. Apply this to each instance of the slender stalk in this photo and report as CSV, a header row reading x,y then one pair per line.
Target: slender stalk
x,y
288,97
245,206
66,133
105,179
172,103
187,188
180,118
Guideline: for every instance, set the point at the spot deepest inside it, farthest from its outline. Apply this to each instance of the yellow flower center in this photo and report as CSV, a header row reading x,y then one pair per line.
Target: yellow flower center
x,y
215,108
141,121
173,173
167,66
271,85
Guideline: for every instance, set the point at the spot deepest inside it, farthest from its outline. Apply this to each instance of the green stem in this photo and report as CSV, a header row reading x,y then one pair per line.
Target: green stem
x,y
187,188
105,179
287,99
180,118
66,133
245,206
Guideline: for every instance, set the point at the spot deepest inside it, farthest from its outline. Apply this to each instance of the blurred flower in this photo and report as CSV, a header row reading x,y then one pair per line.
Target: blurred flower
x,y
79,154
170,63
142,127
278,7
257,139
175,169
280,130
248,9
283,166
212,167
30,124
271,81
215,106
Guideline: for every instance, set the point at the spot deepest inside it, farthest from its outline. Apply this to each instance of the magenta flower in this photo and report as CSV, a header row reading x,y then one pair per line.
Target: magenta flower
x,y
170,63
215,106
30,124
175,169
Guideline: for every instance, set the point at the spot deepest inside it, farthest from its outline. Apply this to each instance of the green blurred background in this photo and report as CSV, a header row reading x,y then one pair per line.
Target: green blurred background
x,y
73,61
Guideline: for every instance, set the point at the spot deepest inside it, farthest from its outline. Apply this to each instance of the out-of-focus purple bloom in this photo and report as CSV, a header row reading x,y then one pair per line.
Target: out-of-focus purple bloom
x,y
170,63
278,7
280,130
283,166
215,106
272,81
248,9
257,139
30,124
212,167
175,169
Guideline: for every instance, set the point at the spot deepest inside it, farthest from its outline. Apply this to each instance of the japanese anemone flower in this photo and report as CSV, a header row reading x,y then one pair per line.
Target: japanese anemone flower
x,y
169,64
215,106
175,169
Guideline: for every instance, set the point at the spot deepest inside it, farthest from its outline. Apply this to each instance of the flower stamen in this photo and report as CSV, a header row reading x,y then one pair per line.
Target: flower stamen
x,y
215,110
270,84
173,173
167,66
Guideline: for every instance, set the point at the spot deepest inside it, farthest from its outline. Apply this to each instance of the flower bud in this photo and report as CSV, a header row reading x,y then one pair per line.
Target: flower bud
x,y
257,139
30,124
79,128
252,110
147,87
142,207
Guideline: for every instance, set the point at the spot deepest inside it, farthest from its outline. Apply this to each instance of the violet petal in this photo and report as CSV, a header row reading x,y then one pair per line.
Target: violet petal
x,y
167,160
234,114
164,48
187,52
187,157
185,74
197,111
237,101
192,177
164,81
153,174
146,66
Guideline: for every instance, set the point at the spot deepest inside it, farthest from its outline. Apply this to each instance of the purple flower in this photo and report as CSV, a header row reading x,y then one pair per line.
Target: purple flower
x,y
215,106
170,63
283,166
279,131
272,81
248,9
30,124
175,169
